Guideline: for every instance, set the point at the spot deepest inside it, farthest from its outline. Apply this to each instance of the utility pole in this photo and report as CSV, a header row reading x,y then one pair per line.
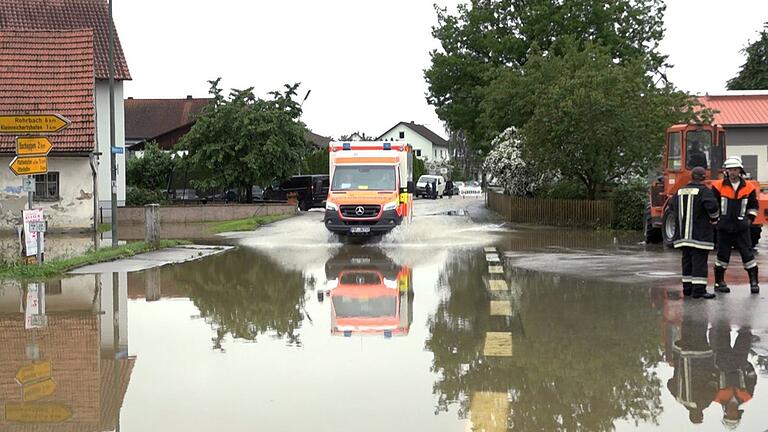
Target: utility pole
x,y
112,156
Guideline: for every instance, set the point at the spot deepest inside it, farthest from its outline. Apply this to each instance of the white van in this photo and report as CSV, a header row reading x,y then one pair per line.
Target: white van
x,y
421,185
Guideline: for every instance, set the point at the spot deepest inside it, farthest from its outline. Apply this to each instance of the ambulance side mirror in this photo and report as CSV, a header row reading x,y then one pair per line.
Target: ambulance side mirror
x,y
411,187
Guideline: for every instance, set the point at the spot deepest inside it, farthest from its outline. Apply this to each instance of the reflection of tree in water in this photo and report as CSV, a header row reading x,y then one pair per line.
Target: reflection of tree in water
x,y
582,354
245,294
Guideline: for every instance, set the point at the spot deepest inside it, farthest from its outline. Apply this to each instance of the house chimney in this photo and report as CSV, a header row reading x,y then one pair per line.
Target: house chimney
x,y
130,97
189,97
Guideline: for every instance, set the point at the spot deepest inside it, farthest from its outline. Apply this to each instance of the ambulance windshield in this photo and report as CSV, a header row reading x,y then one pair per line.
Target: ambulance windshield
x,y
357,177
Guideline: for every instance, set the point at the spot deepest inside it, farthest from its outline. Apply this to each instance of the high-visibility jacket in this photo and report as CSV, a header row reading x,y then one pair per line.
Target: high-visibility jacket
x,y
738,208
695,207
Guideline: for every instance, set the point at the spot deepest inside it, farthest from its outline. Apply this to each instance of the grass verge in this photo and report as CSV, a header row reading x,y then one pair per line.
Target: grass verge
x,y
59,267
102,228
248,224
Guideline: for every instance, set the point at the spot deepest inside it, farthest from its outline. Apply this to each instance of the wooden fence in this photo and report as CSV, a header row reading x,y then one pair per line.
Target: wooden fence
x,y
576,213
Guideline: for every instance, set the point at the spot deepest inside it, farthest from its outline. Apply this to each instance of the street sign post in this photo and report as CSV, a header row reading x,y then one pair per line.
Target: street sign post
x,y
29,165
32,124
27,146
28,184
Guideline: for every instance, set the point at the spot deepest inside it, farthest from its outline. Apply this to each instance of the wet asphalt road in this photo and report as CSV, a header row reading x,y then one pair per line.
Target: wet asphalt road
x,y
459,322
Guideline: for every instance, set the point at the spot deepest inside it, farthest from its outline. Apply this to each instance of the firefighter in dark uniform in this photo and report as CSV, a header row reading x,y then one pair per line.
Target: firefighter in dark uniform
x,y
738,209
736,377
694,381
696,209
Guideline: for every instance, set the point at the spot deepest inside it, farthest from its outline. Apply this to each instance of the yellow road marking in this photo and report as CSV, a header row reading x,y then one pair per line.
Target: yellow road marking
x,y
495,269
492,257
498,285
488,412
498,344
490,249
501,307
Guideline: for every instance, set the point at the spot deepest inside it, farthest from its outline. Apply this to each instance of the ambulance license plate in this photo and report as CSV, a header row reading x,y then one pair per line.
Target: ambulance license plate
x,y
360,230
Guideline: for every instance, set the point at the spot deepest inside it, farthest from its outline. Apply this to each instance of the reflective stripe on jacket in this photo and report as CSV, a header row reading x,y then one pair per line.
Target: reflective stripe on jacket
x,y
695,206
738,208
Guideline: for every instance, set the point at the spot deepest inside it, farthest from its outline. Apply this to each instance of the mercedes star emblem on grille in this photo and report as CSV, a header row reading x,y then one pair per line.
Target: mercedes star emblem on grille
x,y
359,210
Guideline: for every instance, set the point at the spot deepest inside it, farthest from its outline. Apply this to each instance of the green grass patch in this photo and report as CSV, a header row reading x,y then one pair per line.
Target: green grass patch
x,y
58,267
248,224
102,228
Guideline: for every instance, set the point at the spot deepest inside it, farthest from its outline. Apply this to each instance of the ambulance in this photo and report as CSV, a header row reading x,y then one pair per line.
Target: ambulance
x,y
371,188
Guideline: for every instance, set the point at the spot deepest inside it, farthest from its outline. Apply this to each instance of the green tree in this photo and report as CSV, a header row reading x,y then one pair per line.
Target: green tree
x,y
151,170
317,161
242,140
596,120
487,37
754,72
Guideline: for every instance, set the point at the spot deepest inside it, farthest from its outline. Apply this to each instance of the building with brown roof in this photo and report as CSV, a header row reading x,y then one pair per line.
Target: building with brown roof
x,y
162,120
38,16
43,72
427,145
744,115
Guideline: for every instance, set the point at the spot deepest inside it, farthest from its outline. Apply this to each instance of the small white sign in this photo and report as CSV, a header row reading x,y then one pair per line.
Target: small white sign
x,y
37,226
30,238
28,184
34,313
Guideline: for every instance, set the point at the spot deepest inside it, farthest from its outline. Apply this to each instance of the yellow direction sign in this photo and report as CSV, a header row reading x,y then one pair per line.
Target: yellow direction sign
x,y
34,372
28,165
30,124
33,146
38,390
47,412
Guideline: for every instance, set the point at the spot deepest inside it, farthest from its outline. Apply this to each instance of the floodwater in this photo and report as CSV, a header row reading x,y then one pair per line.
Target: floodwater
x,y
452,325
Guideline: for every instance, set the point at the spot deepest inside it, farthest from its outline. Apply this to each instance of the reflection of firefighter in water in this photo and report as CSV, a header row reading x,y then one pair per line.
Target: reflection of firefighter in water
x,y
736,375
694,382
369,293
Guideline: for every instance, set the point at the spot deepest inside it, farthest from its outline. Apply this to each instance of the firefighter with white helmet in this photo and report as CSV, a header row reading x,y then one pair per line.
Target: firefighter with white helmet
x,y
738,209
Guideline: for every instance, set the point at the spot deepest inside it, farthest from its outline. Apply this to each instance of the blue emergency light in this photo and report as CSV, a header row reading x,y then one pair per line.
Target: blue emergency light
x,y
387,146
347,333
387,334
347,146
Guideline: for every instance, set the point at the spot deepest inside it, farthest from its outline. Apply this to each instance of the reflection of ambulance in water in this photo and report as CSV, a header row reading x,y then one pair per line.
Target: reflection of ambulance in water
x,y
371,189
369,294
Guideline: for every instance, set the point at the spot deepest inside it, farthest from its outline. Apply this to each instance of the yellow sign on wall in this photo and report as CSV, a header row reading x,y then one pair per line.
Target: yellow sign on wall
x,y
34,372
37,412
38,390
29,165
33,146
30,124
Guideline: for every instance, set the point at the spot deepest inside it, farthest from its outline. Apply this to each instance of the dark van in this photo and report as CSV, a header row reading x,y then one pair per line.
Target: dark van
x,y
311,190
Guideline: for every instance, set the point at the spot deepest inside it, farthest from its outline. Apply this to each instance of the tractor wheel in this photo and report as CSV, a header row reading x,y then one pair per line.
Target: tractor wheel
x,y
652,235
669,227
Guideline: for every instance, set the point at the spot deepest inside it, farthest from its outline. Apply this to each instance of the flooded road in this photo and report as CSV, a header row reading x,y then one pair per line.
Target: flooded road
x,y
458,323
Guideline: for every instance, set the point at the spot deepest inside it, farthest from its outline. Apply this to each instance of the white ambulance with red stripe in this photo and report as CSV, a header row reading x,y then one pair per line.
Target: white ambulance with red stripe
x,y
371,190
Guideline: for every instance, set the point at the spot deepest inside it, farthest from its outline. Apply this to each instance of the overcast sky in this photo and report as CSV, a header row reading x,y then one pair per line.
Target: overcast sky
x,y
363,60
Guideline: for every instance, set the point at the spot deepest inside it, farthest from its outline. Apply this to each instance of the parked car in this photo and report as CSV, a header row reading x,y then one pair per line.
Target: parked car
x,y
457,185
184,195
311,190
421,185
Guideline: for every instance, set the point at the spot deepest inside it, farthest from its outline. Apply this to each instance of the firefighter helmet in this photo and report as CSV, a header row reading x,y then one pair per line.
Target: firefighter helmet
x,y
733,162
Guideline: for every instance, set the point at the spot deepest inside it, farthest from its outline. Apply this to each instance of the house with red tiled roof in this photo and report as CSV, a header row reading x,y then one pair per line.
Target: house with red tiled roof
x,y
427,145
45,72
744,115
93,15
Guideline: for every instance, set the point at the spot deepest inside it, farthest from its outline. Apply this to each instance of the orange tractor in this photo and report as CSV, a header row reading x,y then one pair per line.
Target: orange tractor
x,y
688,146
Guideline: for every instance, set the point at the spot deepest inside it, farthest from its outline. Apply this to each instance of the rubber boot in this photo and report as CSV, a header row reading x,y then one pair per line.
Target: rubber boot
x,y
720,285
687,289
754,288
700,291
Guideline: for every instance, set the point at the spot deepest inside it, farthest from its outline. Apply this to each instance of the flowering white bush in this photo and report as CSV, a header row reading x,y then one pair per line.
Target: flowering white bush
x,y
505,164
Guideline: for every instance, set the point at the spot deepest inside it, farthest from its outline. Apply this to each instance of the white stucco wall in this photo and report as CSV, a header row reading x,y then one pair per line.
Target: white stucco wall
x,y
416,141
102,138
73,210
750,141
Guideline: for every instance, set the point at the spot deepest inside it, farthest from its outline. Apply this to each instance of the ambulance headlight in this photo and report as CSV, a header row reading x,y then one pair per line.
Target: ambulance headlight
x,y
391,205
331,206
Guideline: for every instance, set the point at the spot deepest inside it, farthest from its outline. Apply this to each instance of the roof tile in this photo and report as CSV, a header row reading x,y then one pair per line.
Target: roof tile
x,y
738,110
65,85
68,15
